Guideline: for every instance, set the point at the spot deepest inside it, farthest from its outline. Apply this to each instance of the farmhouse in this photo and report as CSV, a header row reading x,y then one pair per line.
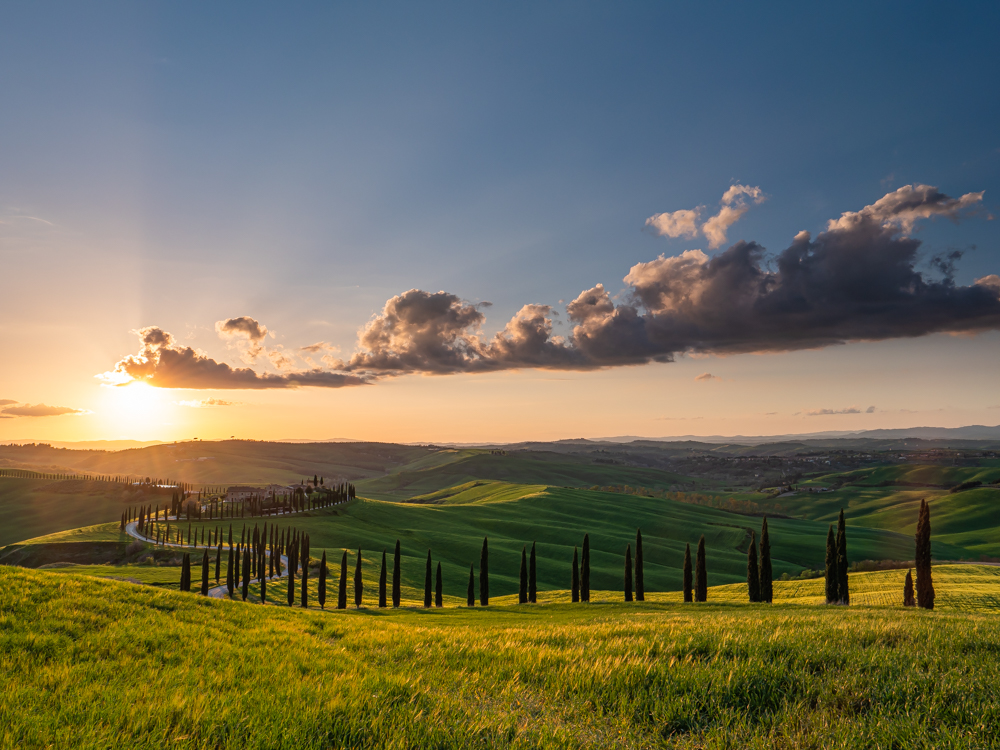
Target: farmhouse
x,y
245,493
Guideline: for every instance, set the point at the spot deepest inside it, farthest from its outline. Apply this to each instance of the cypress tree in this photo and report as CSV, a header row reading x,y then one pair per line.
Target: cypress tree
x,y
843,593
229,574
471,594
263,585
753,572
291,586
342,592
532,577
688,577
925,584
908,600
186,572
357,582
321,585
766,574
427,581
218,562
628,572
522,584
640,586
304,597
700,573
832,578
585,572
484,574
439,589
204,573
575,578
381,583
246,574
395,577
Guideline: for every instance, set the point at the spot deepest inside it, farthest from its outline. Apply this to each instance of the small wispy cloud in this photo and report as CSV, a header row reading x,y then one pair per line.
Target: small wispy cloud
x,y
845,410
706,377
687,222
41,410
206,402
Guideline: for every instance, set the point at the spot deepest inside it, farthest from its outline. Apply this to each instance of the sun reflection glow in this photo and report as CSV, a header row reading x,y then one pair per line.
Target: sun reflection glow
x,y
137,411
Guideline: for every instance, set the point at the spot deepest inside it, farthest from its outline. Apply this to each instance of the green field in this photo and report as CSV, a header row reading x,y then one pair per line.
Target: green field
x,y
455,467
35,507
89,663
556,519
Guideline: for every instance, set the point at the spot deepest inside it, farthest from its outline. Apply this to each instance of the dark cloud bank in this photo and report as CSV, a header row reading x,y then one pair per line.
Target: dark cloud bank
x,y
856,281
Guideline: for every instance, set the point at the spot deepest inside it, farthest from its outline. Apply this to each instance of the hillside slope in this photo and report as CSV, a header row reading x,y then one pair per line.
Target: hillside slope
x,y
88,663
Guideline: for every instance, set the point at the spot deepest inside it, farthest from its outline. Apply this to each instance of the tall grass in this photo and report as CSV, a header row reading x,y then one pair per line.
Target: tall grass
x,y
91,663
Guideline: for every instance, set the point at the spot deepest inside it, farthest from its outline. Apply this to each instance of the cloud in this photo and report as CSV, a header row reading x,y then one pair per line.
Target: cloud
x,y
687,222
319,346
706,376
206,402
247,331
7,402
162,363
904,207
40,410
683,223
846,410
856,281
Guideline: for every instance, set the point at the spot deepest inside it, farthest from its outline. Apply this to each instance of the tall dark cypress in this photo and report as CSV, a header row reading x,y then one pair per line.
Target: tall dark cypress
x,y
186,572
585,570
246,574
701,573
532,577
575,578
925,584
832,579
753,572
321,584
484,574
229,573
204,573
291,584
237,567
908,600
688,577
263,583
766,574
381,583
427,581
522,581
218,562
843,593
471,594
342,592
628,572
304,596
640,585
395,577
439,588
358,586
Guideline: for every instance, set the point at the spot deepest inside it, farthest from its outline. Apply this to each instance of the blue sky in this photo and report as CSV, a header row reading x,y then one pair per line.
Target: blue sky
x,y
176,164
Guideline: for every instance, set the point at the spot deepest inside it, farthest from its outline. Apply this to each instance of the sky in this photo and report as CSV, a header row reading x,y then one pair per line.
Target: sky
x,y
452,222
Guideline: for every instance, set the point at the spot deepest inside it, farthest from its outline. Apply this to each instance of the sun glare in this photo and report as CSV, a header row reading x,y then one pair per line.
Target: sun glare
x,y
136,411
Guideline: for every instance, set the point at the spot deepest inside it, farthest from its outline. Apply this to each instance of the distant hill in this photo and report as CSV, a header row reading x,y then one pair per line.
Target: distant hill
x,y
970,432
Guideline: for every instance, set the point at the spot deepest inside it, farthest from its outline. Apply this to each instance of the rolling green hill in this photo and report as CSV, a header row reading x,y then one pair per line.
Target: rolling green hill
x,y
34,507
89,663
454,467
556,519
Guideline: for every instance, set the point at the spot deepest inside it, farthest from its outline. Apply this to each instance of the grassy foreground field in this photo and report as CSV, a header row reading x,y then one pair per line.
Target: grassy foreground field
x,y
88,663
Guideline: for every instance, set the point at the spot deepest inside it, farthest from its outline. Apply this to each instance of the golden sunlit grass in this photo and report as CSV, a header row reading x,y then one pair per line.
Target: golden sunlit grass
x,y
87,663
